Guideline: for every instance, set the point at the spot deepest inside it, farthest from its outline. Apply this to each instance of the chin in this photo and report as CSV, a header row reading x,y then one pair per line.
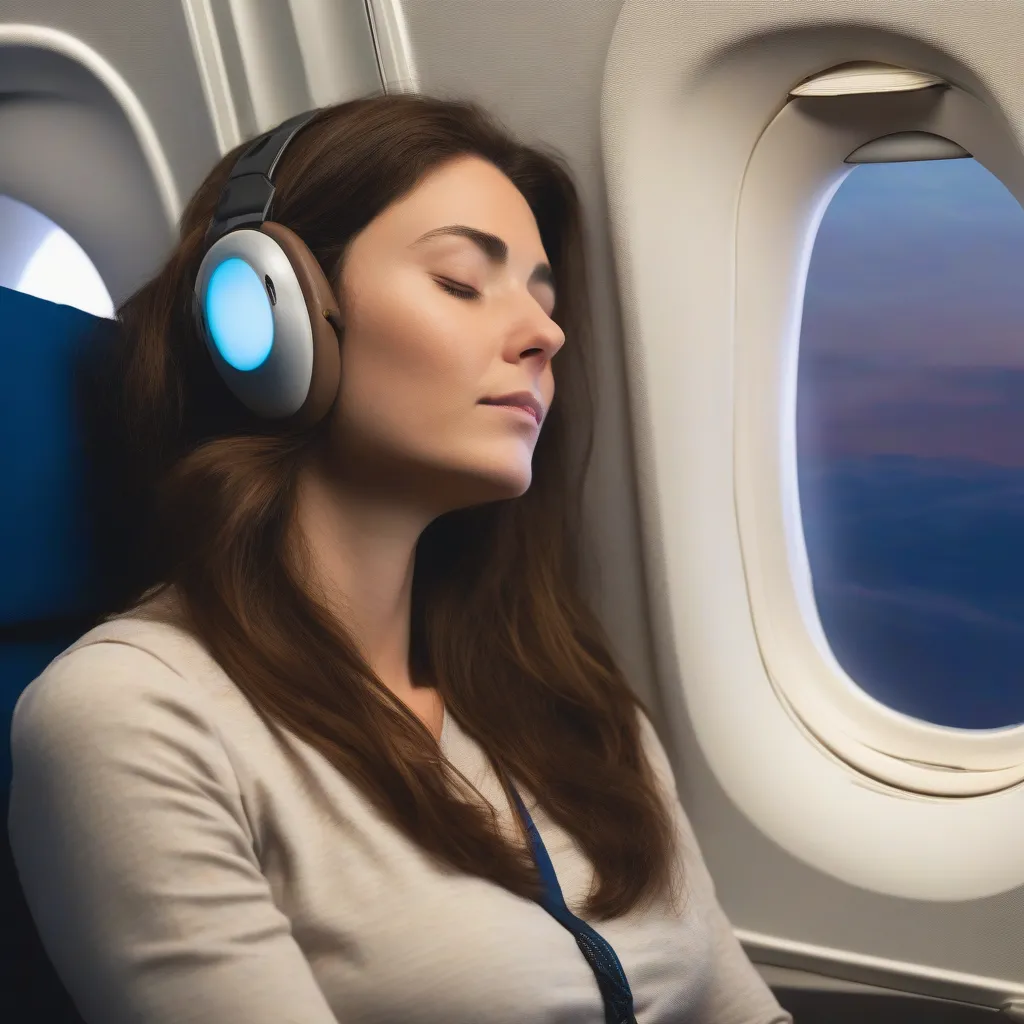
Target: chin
x,y
503,486
486,482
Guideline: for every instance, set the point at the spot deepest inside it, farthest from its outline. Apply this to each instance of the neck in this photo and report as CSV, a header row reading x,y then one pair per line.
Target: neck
x,y
363,553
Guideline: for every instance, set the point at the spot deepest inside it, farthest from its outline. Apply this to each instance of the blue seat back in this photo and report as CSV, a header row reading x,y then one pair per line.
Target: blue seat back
x,y
57,576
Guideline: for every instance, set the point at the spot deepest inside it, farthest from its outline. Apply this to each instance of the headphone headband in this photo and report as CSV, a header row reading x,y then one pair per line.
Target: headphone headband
x,y
268,315
249,190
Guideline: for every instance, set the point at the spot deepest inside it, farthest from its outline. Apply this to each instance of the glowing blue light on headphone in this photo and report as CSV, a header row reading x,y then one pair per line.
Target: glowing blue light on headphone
x,y
239,315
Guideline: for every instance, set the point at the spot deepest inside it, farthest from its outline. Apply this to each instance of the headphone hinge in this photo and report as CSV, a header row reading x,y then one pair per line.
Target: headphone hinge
x,y
245,198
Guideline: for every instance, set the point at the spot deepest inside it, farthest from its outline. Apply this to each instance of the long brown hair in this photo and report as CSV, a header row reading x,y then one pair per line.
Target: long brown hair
x,y
498,623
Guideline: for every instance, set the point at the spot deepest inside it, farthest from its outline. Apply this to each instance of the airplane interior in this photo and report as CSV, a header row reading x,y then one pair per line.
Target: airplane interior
x,y
806,241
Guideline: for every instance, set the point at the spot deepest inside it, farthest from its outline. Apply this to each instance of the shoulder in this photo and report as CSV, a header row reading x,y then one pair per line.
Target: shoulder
x,y
123,680
695,872
656,756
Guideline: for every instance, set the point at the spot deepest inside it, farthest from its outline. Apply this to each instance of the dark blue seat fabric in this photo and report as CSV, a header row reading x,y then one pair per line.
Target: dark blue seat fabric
x,y
46,518
57,576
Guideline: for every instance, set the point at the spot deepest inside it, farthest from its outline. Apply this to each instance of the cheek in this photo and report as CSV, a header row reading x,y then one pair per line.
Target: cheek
x,y
406,367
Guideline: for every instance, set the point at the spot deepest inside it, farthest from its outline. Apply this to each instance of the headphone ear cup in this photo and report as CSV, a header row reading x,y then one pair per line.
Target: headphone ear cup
x,y
267,315
324,319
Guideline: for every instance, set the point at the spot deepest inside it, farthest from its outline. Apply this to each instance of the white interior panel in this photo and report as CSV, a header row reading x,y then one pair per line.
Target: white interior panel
x,y
690,88
148,44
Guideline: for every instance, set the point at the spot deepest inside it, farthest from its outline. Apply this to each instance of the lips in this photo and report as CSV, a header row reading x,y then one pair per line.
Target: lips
x,y
523,399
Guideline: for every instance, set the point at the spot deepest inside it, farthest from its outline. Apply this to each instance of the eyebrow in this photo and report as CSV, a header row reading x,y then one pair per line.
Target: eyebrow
x,y
493,247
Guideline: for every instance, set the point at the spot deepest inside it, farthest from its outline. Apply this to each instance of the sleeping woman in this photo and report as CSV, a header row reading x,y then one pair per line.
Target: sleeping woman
x,y
355,750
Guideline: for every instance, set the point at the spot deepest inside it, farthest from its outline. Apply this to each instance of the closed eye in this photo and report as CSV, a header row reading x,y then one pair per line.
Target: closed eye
x,y
458,290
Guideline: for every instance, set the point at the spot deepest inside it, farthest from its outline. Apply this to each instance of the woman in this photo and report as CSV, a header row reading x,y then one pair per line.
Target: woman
x,y
283,783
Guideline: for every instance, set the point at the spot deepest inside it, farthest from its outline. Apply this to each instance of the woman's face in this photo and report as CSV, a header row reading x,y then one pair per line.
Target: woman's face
x,y
436,324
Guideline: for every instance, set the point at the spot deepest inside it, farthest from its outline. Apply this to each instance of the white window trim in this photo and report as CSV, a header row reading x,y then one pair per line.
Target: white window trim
x,y
682,113
46,38
797,164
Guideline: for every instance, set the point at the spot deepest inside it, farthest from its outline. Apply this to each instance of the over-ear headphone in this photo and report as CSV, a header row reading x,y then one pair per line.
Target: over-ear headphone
x,y
265,309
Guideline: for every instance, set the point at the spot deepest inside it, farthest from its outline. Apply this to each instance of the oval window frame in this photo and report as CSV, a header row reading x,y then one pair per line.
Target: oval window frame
x,y
803,148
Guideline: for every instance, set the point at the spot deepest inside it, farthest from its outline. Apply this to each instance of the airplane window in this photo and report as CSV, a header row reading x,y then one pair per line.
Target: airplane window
x,y
910,438
39,258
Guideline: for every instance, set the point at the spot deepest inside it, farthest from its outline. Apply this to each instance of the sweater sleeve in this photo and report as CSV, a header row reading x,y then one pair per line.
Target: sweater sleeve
x,y
736,994
135,855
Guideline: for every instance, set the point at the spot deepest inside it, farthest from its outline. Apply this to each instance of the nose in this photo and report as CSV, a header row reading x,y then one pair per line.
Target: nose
x,y
535,333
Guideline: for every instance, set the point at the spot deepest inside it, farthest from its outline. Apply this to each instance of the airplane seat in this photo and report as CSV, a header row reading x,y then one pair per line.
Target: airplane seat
x,y
59,570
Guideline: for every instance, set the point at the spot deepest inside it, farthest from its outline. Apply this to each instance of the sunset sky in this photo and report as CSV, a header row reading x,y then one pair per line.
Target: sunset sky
x,y
913,332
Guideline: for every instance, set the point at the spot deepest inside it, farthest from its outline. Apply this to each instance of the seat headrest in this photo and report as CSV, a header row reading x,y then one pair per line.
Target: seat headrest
x,y
49,508
58,501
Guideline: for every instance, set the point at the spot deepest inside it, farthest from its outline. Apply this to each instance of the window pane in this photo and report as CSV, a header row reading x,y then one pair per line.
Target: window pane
x,y
910,438
39,258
